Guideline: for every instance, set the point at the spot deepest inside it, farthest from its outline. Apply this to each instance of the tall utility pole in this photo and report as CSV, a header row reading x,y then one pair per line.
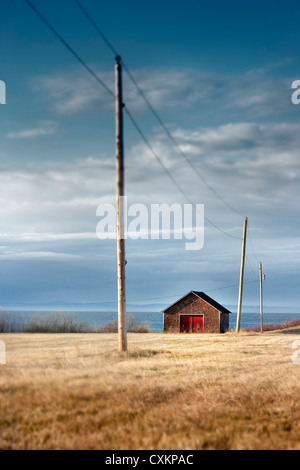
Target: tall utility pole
x,y
261,277
120,210
238,321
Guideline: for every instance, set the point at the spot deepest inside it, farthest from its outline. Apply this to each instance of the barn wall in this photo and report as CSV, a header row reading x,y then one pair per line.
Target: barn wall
x,y
188,306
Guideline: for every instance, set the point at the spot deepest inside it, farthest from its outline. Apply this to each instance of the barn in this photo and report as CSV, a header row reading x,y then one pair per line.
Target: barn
x,y
196,312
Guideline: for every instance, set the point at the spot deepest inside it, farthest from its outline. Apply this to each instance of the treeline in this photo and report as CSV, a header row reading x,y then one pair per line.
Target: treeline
x,y
63,323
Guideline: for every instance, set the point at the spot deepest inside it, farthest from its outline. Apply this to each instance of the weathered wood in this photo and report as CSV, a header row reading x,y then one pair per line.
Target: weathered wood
x,y
261,297
120,211
238,320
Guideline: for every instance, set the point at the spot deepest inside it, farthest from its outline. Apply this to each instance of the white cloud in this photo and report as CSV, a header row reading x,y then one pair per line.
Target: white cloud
x,y
266,152
252,166
55,197
50,207
246,95
39,255
48,237
75,91
45,128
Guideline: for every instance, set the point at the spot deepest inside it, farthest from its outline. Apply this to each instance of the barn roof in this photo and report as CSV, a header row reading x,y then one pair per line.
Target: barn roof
x,y
204,297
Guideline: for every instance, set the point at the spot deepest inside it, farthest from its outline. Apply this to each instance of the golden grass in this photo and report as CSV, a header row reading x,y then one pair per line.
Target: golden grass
x,y
75,391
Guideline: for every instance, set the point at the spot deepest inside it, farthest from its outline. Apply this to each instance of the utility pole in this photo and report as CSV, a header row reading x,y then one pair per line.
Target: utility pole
x,y
238,321
120,210
261,278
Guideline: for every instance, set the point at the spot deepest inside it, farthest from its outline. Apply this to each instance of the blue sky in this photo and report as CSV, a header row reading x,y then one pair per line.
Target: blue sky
x,y
219,74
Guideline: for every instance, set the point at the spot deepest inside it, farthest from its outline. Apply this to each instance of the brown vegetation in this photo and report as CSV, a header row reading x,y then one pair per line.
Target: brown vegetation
x,y
132,326
63,323
275,327
168,391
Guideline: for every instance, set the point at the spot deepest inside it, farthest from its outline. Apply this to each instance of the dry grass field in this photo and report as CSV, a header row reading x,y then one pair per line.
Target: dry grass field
x,y
75,391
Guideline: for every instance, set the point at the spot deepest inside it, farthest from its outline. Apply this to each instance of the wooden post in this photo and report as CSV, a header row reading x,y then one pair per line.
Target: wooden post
x,y
261,297
122,333
238,321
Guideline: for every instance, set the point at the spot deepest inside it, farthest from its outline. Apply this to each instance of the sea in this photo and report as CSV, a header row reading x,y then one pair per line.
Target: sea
x,y
95,319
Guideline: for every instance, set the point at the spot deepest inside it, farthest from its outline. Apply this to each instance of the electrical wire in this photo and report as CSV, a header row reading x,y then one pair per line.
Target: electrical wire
x,y
251,243
175,143
164,127
153,111
88,16
177,295
62,40
70,49
250,266
88,68
170,174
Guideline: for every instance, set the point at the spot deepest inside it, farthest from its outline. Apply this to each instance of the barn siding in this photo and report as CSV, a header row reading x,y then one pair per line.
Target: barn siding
x,y
193,305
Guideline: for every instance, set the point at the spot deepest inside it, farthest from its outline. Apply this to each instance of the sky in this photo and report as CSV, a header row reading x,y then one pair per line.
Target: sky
x,y
219,75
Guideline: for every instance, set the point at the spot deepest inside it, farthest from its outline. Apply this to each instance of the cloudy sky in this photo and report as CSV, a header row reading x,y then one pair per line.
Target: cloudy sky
x,y
219,75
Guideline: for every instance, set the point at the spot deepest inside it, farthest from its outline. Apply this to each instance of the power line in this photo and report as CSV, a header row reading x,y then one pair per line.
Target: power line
x,y
127,111
70,49
107,42
250,238
111,47
154,112
251,244
250,266
83,63
178,295
175,143
168,133
170,174
233,285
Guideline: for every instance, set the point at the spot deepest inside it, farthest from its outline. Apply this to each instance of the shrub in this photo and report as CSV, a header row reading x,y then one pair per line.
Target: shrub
x,y
132,326
9,323
63,323
111,327
272,327
54,323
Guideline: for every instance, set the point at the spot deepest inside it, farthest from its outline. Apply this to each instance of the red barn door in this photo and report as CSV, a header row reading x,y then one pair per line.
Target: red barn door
x,y
197,323
191,323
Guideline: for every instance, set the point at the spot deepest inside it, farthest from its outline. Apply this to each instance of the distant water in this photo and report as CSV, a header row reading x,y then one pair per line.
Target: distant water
x,y
155,319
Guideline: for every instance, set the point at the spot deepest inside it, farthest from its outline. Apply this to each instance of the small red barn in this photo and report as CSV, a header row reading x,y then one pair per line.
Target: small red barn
x,y
196,312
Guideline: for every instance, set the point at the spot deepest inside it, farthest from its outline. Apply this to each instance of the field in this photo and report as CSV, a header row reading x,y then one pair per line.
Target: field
x,y
76,391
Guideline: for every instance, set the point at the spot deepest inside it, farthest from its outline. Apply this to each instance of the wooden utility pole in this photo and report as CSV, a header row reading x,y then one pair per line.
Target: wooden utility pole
x,y
120,210
238,321
261,277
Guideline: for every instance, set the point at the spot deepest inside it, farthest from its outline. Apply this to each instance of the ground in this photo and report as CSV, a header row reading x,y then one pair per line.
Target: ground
x,y
169,391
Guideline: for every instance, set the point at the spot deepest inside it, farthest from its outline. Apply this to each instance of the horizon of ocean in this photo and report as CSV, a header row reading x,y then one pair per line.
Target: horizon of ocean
x,y
95,319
